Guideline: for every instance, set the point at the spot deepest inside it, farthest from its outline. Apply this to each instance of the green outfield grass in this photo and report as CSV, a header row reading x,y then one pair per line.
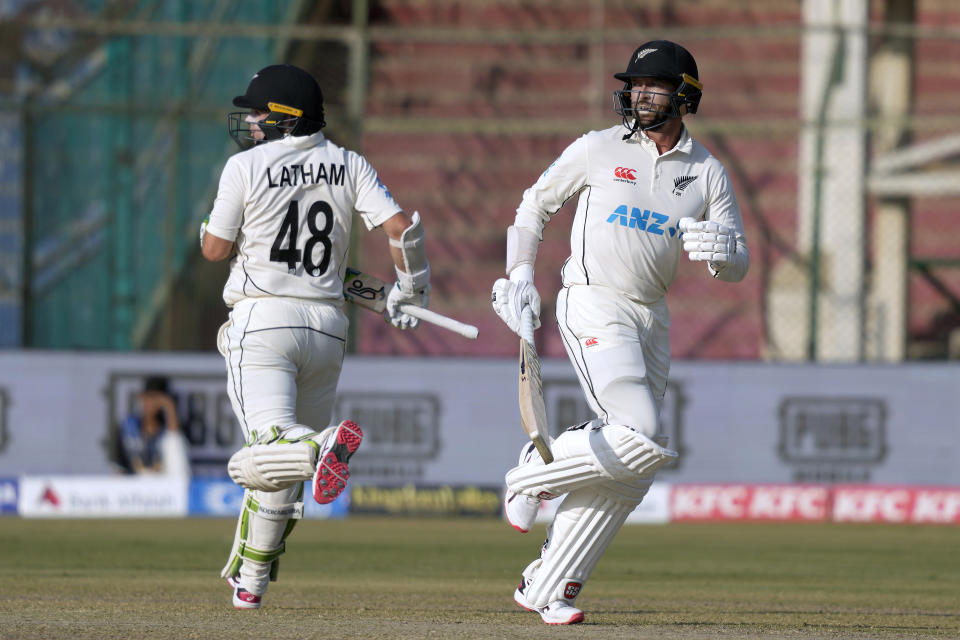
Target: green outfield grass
x,y
396,578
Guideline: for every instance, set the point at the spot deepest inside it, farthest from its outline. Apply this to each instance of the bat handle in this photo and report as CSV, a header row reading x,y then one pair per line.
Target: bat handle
x,y
526,324
466,330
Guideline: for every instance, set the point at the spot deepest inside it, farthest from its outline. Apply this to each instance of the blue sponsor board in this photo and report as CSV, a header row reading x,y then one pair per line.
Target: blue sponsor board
x,y
221,497
9,490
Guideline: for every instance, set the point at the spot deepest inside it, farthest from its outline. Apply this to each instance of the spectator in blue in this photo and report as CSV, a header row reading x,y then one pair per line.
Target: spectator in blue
x,y
144,430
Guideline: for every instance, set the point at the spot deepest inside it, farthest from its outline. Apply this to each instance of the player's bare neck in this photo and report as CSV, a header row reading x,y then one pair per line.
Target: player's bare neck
x,y
666,136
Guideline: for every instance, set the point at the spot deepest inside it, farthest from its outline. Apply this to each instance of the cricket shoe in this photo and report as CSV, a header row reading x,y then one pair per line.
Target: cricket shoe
x,y
243,599
520,510
520,597
557,612
561,612
330,478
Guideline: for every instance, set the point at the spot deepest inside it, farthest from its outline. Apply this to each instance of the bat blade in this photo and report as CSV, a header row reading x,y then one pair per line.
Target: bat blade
x,y
533,412
365,290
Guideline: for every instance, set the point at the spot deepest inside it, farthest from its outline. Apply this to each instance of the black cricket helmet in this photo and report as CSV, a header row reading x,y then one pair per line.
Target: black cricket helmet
x,y
292,98
664,60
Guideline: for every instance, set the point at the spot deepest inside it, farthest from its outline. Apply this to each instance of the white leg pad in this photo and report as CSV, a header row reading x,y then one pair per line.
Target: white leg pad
x,y
277,459
583,528
588,456
266,519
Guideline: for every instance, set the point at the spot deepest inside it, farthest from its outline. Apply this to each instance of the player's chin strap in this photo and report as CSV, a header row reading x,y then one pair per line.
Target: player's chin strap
x,y
633,128
415,275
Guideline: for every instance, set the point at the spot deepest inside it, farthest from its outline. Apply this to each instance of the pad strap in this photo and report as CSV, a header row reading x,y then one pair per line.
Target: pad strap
x,y
262,529
270,462
584,457
585,524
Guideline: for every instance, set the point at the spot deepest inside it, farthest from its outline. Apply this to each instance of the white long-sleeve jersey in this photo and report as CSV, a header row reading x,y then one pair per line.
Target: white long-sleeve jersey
x,y
625,232
288,205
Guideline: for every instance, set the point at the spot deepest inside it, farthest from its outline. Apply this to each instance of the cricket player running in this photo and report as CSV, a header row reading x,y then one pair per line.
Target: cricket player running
x,y
648,191
283,214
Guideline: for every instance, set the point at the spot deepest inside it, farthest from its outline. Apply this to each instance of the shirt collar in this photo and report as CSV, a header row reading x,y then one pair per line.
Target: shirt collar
x,y
684,144
303,142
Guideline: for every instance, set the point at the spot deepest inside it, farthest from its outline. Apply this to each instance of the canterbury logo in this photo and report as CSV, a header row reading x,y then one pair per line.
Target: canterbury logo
x,y
625,173
681,183
645,52
590,342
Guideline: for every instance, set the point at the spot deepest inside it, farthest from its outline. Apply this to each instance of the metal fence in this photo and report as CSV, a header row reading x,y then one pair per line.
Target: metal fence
x,y
115,137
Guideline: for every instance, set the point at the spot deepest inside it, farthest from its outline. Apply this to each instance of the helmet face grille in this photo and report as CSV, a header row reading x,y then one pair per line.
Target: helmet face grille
x,y
663,60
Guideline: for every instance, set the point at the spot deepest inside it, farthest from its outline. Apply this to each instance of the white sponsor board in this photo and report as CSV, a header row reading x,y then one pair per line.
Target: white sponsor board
x,y
102,497
434,422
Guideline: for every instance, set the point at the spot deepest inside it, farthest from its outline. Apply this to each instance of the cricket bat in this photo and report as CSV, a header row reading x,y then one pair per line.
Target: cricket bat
x,y
533,412
371,293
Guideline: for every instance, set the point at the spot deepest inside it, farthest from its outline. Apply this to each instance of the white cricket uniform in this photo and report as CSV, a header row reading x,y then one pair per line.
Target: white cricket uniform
x,y
625,246
615,326
289,205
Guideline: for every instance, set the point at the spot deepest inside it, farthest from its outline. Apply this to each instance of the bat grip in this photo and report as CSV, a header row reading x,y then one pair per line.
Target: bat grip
x,y
526,324
465,330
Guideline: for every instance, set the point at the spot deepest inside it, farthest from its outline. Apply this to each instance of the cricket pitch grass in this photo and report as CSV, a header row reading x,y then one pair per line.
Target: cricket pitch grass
x,y
397,578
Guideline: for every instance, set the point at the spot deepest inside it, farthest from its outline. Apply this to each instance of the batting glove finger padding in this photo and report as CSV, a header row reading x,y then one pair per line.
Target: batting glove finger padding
x,y
509,299
398,296
708,241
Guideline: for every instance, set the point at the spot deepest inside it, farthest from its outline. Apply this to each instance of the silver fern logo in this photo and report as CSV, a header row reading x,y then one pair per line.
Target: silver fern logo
x,y
681,183
645,52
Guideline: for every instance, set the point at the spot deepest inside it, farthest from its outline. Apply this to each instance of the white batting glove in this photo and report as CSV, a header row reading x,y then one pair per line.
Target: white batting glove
x,y
509,299
709,241
399,296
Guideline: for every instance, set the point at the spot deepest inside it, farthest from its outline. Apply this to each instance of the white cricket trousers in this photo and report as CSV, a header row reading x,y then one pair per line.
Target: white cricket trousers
x,y
620,349
284,358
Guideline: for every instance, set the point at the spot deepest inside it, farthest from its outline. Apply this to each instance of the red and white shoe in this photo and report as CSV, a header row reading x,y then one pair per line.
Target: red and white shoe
x,y
557,612
520,510
243,599
330,478
560,612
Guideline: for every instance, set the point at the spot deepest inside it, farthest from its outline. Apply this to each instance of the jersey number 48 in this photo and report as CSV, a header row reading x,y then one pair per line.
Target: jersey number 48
x,y
289,230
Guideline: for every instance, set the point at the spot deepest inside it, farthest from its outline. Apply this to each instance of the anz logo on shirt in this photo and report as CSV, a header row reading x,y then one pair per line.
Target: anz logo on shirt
x,y
642,220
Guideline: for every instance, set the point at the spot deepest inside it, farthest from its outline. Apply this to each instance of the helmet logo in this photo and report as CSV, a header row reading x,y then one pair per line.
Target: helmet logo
x,y
644,53
282,108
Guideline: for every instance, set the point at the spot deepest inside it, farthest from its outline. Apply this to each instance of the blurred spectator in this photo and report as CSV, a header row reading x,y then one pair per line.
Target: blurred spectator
x,y
151,437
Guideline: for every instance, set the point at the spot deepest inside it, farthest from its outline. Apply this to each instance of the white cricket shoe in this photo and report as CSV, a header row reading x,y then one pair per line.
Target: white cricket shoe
x,y
520,510
243,599
561,612
557,612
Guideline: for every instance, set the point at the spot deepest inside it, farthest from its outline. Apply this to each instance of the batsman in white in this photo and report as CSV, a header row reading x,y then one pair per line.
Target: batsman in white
x,y
283,214
647,193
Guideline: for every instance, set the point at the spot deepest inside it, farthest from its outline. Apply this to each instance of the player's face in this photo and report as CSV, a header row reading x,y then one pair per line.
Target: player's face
x,y
650,97
256,115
